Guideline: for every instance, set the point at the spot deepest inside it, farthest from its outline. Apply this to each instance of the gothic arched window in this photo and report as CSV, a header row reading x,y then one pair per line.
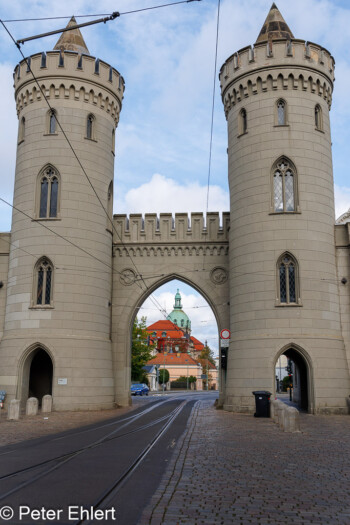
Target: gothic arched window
x,y
288,279
48,194
284,186
281,108
90,127
318,118
43,281
52,120
21,130
243,123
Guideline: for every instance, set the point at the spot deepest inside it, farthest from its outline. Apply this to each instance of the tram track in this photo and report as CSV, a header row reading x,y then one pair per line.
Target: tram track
x,y
61,460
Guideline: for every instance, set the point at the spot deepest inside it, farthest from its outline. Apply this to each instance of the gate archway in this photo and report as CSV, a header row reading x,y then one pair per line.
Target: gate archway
x,y
37,374
302,376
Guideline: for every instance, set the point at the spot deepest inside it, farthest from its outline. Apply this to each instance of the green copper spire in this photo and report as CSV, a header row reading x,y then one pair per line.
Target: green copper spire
x,y
178,316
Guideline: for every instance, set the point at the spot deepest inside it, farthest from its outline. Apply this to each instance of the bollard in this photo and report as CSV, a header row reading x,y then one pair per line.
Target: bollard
x,y
272,408
46,403
292,423
13,409
277,404
281,410
32,406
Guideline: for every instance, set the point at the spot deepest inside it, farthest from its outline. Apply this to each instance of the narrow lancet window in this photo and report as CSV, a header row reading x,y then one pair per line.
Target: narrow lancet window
x,y
281,113
90,127
52,122
318,118
243,125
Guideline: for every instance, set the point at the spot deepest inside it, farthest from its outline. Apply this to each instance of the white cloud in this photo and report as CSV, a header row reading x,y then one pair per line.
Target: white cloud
x,y
342,200
165,195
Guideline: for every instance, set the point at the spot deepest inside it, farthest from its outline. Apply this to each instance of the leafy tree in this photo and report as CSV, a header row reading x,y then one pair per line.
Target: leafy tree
x,y
141,352
163,375
207,353
286,383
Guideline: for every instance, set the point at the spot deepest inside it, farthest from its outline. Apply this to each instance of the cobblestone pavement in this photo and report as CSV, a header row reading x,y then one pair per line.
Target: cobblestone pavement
x,y
236,469
30,427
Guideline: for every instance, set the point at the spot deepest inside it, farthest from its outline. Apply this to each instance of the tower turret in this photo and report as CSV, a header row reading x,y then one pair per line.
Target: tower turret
x,y
58,315
283,280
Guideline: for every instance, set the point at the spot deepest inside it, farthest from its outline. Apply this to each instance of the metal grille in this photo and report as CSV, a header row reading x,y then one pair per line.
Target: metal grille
x,y
53,197
283,284
48,286
289,190
277,186
43,197
291,278
39,298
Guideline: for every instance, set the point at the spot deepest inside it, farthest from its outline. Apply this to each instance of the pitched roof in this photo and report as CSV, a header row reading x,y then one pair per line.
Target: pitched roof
x,y
72,40
173,359
203,362
198,345
173,331
274,27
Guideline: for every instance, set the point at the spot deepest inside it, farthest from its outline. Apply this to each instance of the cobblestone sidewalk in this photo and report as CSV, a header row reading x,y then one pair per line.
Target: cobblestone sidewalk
x,y
236,469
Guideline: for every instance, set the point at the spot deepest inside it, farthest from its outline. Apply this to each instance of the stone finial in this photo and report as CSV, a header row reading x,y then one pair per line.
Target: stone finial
x,y
72,40
13,409
32,406
274,27
46,403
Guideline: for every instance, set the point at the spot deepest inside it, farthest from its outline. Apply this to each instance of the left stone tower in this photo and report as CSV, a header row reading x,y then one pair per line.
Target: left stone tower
x,y
58,312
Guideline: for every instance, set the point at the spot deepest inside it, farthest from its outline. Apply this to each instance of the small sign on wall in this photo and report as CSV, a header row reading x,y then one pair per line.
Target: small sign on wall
x,y
62,381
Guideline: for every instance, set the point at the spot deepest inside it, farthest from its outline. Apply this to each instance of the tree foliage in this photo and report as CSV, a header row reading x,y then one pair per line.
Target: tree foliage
x,y
207,353
141,352
183,379
163,375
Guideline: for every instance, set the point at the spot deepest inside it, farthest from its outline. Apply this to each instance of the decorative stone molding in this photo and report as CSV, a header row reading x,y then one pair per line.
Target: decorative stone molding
x,y
168,251
292,64
344,219
167,229
127,277
218,275
76,80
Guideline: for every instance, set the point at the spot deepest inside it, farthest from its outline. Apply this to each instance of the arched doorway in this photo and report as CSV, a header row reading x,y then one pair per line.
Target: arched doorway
x,y
37,375
40,376
299,373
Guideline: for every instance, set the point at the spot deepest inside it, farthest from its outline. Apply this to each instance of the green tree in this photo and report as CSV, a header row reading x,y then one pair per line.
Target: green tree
x,y
206,357
141,352
163,375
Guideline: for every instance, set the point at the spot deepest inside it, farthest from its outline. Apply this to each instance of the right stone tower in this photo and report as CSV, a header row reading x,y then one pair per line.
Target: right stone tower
x,y
284,285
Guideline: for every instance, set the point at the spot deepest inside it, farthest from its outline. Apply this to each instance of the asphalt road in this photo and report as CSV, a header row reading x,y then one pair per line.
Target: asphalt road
x,y
104,473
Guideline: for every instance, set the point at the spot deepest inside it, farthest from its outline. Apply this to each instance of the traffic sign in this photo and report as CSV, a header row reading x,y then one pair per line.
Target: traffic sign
x,y
225,334
224,343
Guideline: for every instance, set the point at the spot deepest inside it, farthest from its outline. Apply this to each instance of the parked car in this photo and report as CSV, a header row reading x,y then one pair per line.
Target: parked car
x,y
139,389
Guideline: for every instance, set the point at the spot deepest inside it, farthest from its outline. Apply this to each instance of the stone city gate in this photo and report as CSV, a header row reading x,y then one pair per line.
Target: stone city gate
x,y
150,251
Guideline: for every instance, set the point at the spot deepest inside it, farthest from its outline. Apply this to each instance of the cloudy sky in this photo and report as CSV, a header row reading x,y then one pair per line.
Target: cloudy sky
x,y
167,59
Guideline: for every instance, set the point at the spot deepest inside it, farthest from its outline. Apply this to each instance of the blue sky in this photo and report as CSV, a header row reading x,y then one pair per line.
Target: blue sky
x,y
167,59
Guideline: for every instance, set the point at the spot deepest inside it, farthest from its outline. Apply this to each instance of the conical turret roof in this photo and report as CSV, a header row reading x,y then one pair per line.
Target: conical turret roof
x,y
274,27
72,40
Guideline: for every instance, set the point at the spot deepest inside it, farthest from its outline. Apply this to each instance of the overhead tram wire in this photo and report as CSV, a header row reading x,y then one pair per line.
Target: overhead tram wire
x,y
110,16
153,299
212,114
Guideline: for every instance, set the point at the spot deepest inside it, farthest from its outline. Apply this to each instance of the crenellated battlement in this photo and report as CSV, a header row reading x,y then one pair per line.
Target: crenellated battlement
x,y
169,229
66,74
277,64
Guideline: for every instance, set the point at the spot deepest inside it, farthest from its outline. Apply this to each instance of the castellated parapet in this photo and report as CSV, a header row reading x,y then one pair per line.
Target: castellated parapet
x,y
277,65
171,229
68,75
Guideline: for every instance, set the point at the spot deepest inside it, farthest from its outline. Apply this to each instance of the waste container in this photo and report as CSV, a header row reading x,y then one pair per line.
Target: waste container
x,y
262,403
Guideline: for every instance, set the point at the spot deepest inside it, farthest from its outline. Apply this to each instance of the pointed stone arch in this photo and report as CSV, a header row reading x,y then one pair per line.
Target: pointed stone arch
x,y
35,372
304,368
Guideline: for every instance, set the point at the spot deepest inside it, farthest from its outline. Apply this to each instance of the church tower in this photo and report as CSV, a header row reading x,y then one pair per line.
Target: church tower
x,y
58,314
284,295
